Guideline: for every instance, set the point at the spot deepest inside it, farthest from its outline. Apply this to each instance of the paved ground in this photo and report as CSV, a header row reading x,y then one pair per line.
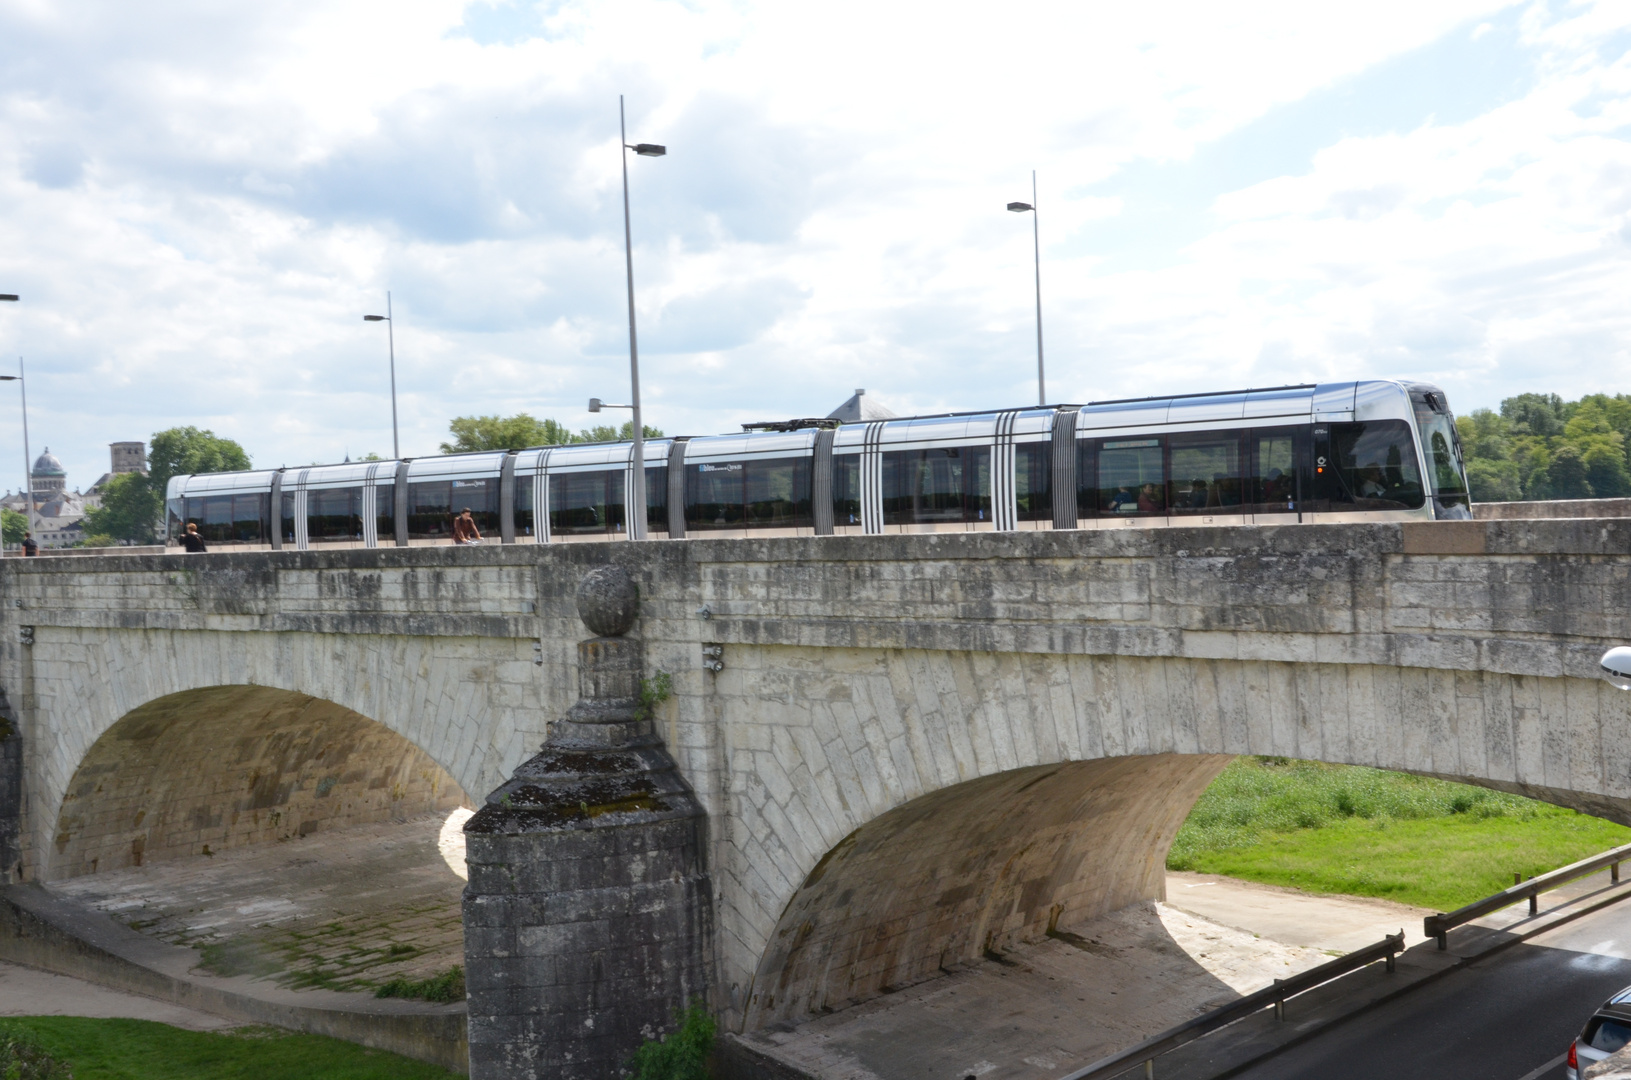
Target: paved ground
x,y
1337,923
1509,1017
26,992
346,909
1057,1005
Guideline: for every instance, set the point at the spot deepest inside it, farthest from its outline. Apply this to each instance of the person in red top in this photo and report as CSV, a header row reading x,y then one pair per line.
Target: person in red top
x,y
464,529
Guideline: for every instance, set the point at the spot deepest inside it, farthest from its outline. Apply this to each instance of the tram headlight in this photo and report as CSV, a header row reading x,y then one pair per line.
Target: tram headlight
x,y
1616,664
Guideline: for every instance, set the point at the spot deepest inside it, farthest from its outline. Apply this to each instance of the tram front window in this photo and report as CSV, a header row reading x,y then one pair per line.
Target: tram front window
x,y
1376,466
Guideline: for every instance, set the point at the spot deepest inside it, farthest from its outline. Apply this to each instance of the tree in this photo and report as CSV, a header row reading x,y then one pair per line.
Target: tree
x,y
12,526
1606,472
503,433
1494,481
1535,414
521,430
1566,476
608,433
131,509
133,504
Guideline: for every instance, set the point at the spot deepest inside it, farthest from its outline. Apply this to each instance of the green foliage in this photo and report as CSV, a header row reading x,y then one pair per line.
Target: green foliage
x,y
143,1050
22,1057
503,433
133,505
1542,447
681,1054
1370,832
448,986
12,526
514,432
653,692
608,433
96,540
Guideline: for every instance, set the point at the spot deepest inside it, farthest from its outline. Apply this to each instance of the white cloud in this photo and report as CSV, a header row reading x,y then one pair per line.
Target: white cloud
x,y
203,201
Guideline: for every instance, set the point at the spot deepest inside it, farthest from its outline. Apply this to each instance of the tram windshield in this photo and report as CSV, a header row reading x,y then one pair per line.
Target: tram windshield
x,y
1442,448
1376,465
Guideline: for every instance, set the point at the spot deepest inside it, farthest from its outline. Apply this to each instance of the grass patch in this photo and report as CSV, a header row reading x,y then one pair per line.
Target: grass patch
x,y
448,986
1370,832
144,1050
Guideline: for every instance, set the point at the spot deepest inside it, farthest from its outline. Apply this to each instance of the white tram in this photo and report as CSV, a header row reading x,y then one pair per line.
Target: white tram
x,y
1353,451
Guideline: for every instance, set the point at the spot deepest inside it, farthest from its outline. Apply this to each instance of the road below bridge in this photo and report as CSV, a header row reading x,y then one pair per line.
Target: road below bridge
x,y
1509,1017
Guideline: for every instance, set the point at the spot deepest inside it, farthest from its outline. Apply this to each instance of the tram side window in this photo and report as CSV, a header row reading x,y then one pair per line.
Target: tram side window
x,y
385,512
1131,480
334,514
523,504
1375,466
249,518
430,510
286,517
1087,491
1205,474
770,493
586,502
846,489
946,484
177,524
481,497
1033,488
1272,477
213,516
656,499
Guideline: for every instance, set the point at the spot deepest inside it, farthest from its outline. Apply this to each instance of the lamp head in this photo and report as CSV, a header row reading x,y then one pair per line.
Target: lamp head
x,y
650,149
1020,207
373,318
1616,664
594,404
8,296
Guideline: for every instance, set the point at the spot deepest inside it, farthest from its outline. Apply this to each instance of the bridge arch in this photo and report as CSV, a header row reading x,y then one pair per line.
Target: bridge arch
x,y
971,868
204,771
883,820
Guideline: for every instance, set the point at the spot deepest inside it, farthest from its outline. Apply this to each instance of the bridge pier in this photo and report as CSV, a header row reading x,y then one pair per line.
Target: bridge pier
x,y
588,913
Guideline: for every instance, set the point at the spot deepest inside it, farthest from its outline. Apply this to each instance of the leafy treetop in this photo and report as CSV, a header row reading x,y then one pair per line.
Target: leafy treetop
x,y
471,433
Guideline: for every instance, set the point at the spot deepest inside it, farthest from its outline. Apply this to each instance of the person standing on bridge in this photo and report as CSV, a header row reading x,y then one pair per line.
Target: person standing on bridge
x,y
31,546
191,540
464,529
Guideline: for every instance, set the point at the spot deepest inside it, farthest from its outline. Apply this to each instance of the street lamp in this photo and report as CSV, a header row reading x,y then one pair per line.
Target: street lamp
x,y
637,497
1616,664
390,336
28,465
1036,238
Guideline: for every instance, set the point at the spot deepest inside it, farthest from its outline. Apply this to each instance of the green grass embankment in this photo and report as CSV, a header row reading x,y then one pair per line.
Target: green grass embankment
x,y
144,1050
1369,832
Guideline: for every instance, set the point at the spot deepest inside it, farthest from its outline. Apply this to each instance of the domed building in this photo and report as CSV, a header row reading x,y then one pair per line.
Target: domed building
x,y
58,512
49,477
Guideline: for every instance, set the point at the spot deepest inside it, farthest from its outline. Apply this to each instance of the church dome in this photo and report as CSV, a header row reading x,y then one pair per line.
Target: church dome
x,y
48,465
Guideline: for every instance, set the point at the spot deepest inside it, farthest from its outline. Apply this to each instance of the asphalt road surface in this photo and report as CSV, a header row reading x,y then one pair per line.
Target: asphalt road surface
x,y
1509,1017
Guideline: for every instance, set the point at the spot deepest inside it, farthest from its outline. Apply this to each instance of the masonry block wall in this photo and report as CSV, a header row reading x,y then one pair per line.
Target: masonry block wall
x,y
863,673
203,771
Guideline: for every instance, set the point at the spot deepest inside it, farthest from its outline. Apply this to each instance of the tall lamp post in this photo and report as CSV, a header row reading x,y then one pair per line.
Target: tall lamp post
x,y
1036,239
390,337
637,497
28,464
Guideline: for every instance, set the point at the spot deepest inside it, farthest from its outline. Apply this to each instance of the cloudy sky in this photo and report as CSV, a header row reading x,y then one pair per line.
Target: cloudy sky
x,y
201,200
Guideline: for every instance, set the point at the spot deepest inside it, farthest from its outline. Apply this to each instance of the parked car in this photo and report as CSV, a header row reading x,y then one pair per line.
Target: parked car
x,y
1607,1031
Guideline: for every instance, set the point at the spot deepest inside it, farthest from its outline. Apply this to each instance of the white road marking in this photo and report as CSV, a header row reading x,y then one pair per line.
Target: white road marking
x,y
1536,1074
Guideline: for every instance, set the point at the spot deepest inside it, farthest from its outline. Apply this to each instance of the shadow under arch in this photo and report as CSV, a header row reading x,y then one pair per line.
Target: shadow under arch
x,y
970,868
208,770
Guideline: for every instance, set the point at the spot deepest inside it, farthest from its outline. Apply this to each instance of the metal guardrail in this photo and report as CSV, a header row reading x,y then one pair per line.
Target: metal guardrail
x,y
1152,1048
1439,926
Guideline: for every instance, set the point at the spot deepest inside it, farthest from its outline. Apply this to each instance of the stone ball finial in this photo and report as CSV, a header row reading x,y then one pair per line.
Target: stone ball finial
x,y
608,601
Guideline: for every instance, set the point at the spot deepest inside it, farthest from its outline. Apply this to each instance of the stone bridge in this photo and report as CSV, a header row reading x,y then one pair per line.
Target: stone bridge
x,y
919,747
